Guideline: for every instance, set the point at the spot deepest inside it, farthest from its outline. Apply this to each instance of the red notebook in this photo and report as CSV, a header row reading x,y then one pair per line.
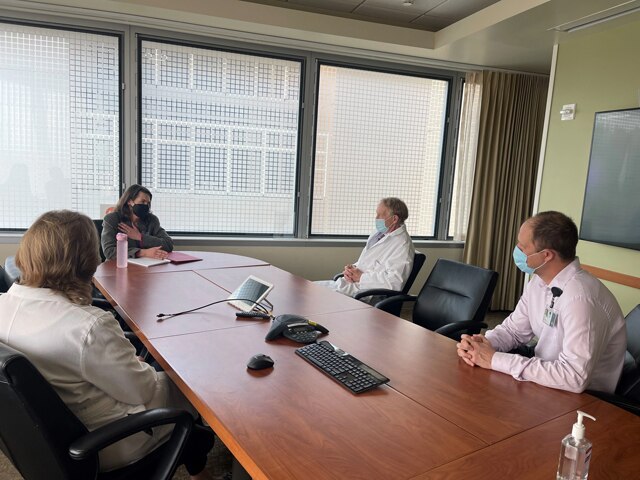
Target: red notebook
x,y
179,257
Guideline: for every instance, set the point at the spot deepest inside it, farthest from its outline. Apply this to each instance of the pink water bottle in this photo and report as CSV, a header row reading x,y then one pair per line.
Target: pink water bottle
x,y
122,251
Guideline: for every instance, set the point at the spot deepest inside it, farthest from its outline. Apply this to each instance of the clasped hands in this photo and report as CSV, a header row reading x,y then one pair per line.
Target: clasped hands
x,y
475,350
352,273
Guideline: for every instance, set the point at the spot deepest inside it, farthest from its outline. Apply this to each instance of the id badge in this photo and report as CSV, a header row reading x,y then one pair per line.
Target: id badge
x,y
550,317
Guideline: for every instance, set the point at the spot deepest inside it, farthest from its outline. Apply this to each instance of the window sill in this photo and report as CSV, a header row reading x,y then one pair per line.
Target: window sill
x,y
195,241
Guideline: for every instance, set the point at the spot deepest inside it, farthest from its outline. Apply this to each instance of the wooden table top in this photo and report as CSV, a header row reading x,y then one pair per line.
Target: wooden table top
x,y
294,422
141,297
209,260
291,294
534,454
424,366
436,419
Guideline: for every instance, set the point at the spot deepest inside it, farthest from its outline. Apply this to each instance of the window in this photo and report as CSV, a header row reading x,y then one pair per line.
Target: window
x,y
231,138
59,122
219,139
378,134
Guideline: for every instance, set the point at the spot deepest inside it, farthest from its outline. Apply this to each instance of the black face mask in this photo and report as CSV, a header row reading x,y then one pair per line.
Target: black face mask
x,y
140,210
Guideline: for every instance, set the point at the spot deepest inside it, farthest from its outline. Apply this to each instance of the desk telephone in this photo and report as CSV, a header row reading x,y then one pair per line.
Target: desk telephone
x,y
296,328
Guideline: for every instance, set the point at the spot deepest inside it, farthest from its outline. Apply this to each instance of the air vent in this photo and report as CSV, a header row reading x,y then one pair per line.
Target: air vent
x,y
597,18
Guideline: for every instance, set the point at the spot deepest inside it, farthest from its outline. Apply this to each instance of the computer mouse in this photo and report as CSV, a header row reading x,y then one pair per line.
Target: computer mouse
x,y
260,361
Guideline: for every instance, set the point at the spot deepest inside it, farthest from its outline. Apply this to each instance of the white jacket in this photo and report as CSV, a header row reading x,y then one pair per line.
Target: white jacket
x,y
83,353
385,264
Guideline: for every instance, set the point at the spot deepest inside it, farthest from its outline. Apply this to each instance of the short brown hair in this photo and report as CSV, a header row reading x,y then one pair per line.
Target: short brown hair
x,y
122,207
397,207
60,251
555,231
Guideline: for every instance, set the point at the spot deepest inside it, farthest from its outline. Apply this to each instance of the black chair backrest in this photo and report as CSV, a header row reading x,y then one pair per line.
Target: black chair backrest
x,y
454,292
4,280
418,262
36,427
98,224
629,384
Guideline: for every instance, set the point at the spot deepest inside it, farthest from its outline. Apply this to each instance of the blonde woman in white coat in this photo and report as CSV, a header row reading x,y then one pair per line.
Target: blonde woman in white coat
x,y
81,350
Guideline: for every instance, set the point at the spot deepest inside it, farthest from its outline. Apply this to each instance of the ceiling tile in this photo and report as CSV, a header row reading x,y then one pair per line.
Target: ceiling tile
x,y
457,9
433,24
419,6
341,6
398,14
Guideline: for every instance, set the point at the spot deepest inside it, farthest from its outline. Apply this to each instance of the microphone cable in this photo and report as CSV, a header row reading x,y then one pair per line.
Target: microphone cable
x,y
164,316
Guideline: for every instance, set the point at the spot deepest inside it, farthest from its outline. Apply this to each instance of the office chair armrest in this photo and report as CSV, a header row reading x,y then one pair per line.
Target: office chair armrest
x,y
388,303
102,303
383,292
617,400
141,350
452,329
337,276
102,437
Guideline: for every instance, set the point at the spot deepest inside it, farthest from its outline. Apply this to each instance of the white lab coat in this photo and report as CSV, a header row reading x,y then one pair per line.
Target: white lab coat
x,y
385,264
83,353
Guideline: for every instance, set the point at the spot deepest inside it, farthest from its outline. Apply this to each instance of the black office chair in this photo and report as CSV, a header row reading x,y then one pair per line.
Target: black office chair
x,y
382,293
98,224
627,393
5,281
44,439
453,301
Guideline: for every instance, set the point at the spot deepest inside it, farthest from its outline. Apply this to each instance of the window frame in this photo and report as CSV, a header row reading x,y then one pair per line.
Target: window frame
x,y
238,48
449,137
310,54
97,29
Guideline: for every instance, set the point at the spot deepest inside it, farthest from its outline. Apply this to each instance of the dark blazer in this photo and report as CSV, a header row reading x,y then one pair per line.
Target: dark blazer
x,y
153,235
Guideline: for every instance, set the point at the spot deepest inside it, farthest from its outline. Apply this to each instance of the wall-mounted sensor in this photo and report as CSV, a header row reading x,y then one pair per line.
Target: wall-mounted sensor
x,y
568,112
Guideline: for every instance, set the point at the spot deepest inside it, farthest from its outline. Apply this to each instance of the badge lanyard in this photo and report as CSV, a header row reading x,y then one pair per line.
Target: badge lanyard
x,y
550,314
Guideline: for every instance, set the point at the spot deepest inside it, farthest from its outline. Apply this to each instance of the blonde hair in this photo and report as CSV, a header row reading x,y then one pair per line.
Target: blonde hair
x,y
60,251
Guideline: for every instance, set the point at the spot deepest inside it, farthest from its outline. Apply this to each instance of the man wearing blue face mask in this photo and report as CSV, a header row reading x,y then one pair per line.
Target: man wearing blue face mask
x,y
387,258
579,325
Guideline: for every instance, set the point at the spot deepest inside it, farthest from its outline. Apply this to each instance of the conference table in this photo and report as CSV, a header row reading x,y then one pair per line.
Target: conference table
x,y
437,418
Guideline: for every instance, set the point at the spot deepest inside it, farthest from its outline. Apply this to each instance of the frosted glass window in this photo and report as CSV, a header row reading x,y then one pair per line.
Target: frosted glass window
x,y
219,139
59,122
378,135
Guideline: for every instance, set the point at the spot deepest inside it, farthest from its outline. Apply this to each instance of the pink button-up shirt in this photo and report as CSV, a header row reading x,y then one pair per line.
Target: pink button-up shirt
x,y
585,349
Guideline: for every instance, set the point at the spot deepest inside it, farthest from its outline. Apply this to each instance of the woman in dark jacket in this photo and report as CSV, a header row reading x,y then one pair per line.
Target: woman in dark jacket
x,y
132,216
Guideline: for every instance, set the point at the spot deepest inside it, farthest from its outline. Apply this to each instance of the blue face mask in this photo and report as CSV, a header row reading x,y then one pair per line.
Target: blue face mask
x,y
520,259
381,226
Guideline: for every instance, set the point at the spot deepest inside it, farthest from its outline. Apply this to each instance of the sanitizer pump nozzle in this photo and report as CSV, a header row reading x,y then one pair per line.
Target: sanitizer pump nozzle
x,y
575,453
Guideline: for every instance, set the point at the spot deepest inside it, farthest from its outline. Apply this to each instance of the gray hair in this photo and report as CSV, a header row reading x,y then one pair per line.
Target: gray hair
x,y
396,207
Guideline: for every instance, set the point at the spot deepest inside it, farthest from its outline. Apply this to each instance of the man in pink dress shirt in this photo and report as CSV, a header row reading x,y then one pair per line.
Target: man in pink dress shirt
x,y
579,325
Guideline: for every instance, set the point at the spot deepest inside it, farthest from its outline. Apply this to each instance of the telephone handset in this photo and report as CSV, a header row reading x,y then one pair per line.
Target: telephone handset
x,y
296,328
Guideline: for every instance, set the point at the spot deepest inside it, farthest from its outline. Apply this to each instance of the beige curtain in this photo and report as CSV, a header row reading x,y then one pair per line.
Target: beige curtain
x,y
466,155
511,122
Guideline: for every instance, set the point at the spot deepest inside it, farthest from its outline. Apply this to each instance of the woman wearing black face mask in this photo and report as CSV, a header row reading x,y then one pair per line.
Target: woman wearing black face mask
x,y
132,217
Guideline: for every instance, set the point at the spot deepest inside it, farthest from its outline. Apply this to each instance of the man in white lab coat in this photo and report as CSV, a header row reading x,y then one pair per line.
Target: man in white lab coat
x,y
386,260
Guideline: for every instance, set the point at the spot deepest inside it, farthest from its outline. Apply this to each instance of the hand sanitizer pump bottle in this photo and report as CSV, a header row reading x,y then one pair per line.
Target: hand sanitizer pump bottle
x,y
575,453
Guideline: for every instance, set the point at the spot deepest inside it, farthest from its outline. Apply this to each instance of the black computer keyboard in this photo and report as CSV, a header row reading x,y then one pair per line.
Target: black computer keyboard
x,y
342,367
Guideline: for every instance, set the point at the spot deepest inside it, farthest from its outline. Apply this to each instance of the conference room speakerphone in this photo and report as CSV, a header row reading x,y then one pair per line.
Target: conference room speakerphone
x,y
342,367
